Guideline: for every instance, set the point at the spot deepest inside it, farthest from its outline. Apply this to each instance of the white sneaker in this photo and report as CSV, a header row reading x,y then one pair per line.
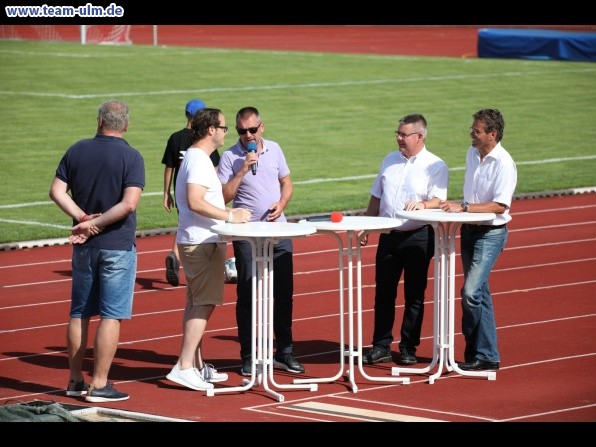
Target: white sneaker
x,y
209,374
188,378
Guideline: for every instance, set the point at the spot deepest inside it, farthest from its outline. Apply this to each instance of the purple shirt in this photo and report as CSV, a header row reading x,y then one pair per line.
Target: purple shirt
x,y
256,192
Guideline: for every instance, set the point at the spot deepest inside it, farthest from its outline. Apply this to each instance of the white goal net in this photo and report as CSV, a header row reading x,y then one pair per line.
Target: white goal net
x,y
85,34
106,34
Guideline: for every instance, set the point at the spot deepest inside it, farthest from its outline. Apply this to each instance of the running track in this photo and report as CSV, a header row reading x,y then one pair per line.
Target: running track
x,y
543,286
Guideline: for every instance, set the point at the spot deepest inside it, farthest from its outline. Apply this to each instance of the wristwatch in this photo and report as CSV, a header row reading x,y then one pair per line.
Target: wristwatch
x,y
464,205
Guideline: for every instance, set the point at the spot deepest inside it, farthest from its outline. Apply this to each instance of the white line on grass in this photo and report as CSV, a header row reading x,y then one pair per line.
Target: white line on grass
x,y
318,180
293,86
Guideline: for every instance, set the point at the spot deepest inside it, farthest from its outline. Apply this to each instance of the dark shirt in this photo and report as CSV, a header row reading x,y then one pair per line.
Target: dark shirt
x,y
176,147
97,170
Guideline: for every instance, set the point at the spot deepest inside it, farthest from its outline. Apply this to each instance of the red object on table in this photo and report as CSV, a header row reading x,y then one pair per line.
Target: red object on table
x,y
337,216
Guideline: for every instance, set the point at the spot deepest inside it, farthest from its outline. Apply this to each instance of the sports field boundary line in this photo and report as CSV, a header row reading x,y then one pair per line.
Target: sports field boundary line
x,y
295,218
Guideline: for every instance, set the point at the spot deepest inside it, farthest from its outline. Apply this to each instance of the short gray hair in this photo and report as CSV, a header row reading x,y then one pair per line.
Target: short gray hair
x,y
114,115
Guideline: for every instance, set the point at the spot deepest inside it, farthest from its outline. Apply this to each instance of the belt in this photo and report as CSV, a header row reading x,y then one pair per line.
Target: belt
x,y
482,228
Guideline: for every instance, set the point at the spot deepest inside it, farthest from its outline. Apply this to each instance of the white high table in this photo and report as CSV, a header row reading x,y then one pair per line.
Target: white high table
x,y
445,226
262,237
353,226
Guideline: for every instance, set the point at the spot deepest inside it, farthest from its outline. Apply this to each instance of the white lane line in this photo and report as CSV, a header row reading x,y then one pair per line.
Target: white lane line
x,y
355,413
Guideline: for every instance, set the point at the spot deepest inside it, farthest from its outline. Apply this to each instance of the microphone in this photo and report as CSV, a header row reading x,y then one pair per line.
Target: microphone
x,y
252,147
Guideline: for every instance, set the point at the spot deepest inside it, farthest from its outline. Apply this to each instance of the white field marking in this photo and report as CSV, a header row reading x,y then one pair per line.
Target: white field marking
x,y
427,302
203,50
360,414
31,222
330,269
409,407
310,253
299,86
349,396
334,250
64,241
534,415
322,180
355,400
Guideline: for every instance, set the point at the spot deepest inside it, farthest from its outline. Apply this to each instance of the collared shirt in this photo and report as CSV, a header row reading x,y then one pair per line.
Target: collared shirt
x,y
490,180
256,192
400,180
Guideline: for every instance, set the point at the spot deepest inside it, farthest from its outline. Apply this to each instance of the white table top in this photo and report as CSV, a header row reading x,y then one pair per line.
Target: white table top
x,y
356,223
264,229
436,215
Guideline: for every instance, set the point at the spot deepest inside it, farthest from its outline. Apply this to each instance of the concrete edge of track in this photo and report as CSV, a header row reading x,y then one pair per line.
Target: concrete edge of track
x,y
172,230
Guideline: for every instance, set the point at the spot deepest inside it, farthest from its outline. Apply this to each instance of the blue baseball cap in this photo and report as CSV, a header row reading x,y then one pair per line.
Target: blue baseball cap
x,y
193,106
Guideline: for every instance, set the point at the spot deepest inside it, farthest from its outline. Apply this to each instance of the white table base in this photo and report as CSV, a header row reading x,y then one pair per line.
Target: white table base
x,y
262,308
444,297
353,226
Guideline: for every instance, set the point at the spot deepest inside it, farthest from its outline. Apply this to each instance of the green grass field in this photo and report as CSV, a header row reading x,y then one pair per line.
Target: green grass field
x,y
333,114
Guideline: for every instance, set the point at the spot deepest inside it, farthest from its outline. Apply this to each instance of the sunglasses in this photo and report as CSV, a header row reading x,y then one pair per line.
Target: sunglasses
x,y
252,130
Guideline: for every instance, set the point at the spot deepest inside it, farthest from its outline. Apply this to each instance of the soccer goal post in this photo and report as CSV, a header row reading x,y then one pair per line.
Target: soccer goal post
x,y
106,34
116,34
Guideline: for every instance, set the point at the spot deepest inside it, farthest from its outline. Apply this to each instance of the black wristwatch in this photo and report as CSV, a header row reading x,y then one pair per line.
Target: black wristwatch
x,y
464,205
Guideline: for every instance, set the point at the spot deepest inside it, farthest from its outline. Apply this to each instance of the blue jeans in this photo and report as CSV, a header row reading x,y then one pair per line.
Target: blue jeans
x,y
479,252
103,282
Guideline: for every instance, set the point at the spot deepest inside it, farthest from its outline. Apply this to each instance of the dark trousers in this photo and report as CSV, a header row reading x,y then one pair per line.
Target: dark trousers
x,y
283,291
408,252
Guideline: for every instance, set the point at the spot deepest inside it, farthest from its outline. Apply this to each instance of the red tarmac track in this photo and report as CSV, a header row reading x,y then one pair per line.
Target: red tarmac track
x,y
543,287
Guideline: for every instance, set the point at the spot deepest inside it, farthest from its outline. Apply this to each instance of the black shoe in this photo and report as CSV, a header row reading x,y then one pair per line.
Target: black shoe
x,y
407,357
246,366
287,362
172,267
77,389
105,394
478,365
377,354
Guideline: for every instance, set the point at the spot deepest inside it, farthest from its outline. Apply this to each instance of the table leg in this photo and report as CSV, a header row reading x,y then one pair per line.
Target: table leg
x,y
443,279
342,349
265,337
267,326
490,375
351,352
257,299
438,291
354,241
444,308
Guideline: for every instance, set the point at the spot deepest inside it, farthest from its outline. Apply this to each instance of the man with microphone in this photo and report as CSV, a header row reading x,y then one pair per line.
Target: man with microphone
x,y
255,175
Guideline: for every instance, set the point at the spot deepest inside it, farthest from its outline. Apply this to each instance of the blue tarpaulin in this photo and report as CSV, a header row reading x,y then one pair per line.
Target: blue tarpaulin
x,y
536,44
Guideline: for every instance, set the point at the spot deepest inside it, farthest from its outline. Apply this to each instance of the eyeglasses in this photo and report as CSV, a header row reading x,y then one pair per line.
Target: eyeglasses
x,y
252,130
476,132
404,135
224,128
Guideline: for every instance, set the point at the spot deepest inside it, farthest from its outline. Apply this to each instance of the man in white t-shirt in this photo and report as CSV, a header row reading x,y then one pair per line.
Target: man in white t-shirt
x,y
201,205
